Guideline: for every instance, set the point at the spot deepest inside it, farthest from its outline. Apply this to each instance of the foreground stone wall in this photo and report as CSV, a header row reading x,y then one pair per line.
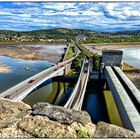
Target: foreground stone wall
x,y
19,120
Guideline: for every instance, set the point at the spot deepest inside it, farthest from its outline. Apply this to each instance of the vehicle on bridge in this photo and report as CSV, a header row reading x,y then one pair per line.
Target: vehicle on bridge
x,y
31,81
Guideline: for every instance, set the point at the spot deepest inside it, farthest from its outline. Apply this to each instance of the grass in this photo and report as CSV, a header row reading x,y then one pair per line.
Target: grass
x,y
82,134
72,72
85,51
29,43
129,68
71,51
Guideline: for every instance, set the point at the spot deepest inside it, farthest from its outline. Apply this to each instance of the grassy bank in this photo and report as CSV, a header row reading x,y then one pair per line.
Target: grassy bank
x,y
31,43
71,51
129,68
133,74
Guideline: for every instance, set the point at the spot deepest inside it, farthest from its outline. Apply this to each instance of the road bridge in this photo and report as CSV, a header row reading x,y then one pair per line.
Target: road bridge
x,y
19,91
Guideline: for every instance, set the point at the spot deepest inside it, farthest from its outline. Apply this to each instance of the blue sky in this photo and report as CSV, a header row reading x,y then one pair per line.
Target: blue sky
x,y
98,16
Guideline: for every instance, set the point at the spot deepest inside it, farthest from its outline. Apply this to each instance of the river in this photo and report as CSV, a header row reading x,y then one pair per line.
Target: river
x,y
132,56
20,70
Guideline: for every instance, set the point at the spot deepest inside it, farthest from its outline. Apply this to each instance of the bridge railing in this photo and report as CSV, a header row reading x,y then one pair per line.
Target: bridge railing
x,y
37,75
77,105
69,102
76,99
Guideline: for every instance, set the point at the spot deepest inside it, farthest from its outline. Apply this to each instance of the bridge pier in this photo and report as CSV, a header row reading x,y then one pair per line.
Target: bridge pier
x,y
67,68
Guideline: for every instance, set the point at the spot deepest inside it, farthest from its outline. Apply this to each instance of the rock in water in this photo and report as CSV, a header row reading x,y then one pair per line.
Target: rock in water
x,y
61,114
11,111
105,130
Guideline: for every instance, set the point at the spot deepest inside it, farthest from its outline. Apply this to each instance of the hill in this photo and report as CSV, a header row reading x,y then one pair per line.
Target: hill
x,y
62,34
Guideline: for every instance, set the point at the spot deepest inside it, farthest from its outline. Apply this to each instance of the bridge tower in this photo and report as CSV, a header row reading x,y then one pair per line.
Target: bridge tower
x,y
111,58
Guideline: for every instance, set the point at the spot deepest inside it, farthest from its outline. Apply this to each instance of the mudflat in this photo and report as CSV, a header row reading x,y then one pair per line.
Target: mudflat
x,y
97,48
4,68
51,53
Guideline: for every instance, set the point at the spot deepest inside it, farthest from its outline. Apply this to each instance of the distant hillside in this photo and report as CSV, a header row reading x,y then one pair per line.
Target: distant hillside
x,y
87,36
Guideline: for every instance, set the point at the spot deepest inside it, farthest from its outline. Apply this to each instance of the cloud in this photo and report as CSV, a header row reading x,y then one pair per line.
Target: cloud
x,y
5,13
100,16
58,6
122,10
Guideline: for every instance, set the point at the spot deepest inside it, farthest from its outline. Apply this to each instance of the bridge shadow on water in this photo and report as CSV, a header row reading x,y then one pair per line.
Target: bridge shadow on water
x,y
94,102
55,91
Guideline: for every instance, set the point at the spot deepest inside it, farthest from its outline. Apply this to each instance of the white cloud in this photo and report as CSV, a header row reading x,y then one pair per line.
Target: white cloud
x,y
24,15
58,6
5,13
91,15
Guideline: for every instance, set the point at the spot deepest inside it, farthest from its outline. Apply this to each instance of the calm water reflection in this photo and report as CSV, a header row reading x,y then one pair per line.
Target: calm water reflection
x,y
18,71
132,56
51,91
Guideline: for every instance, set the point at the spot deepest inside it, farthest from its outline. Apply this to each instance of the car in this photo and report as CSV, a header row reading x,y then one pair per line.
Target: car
x,y
31,81
7,96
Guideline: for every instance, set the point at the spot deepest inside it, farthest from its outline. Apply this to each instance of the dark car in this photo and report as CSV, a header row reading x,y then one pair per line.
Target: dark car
x,y
31,81
7,96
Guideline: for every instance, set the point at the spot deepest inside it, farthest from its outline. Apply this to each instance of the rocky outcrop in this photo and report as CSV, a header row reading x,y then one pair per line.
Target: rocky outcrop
x,y
105,130
18,120
61,114
11,111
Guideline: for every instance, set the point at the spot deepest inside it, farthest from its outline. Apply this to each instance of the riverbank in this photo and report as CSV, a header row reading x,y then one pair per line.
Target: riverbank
x,y
51,52
133,74
4,68
97,48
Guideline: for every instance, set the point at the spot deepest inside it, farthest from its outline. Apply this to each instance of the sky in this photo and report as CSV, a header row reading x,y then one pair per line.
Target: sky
x,y
98,16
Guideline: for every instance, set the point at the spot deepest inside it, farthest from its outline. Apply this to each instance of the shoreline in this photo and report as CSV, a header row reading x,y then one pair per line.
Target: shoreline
x,y
100,47
133,74
41,52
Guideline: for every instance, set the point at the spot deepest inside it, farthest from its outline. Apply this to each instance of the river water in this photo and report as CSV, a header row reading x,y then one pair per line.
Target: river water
x,y
132,56
20,70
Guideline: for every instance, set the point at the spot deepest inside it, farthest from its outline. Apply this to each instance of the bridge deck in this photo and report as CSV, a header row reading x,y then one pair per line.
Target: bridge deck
x,y
128,112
